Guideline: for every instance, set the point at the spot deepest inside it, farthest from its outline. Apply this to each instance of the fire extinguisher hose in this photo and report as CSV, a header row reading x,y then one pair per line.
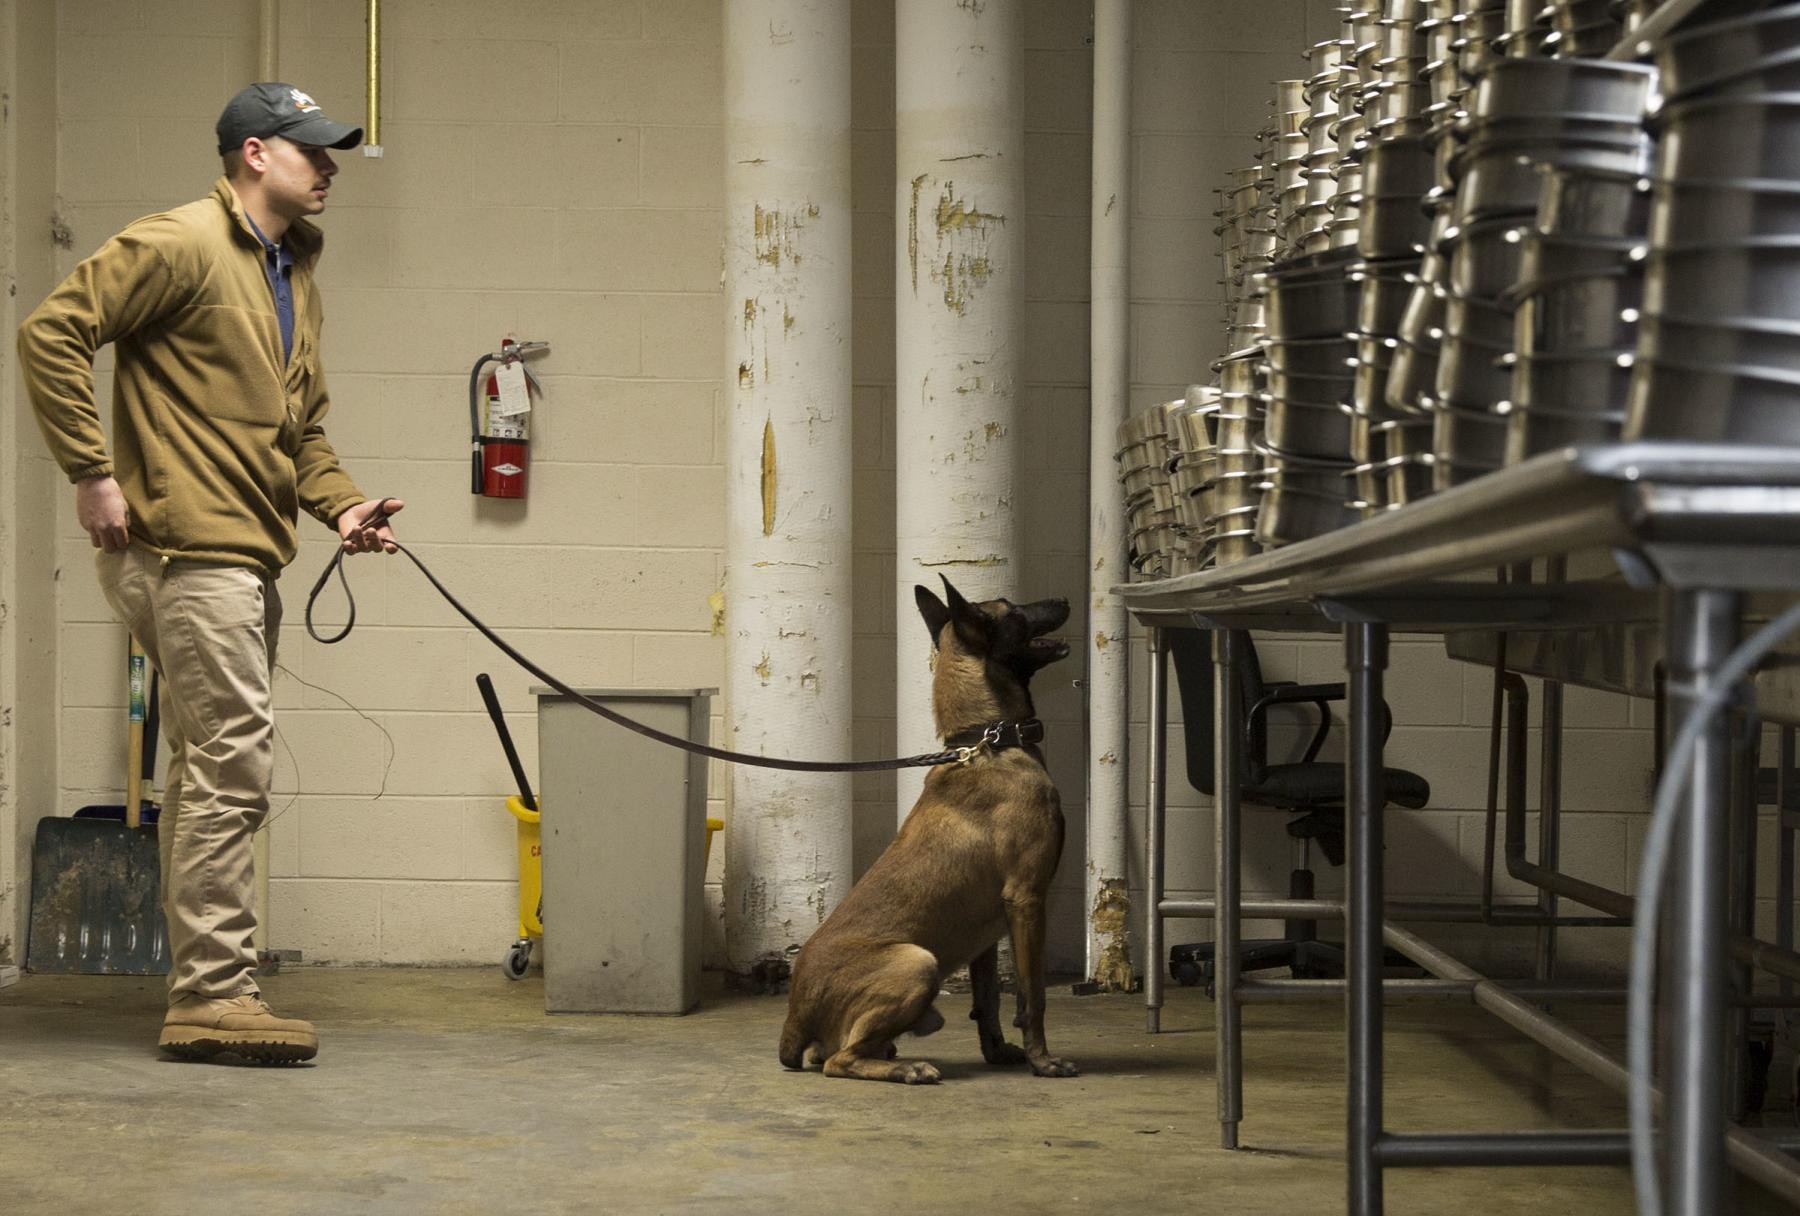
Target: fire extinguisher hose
x,y
475,478
1015,733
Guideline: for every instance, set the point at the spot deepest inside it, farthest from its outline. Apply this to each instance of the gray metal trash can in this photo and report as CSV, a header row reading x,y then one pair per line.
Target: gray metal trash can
x,y
624,836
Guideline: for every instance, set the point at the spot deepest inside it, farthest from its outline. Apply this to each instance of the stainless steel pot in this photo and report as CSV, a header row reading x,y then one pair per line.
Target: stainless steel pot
x,y
1410,378
1318,430
1386,290
1718,404
1473,318
1311,356
1707,212
1715,55
1546,257
1564,86
1471,375
1485,257
1288,516
1581,202
1393,225
1727,282
1710,344
1575,382
1310,302
1409,478
1531,431
1753,136
1579,314
1297,386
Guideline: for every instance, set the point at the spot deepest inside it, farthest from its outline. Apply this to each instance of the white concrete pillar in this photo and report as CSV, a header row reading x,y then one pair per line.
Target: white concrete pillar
x,y
31,486
960,136
787,459
1108,896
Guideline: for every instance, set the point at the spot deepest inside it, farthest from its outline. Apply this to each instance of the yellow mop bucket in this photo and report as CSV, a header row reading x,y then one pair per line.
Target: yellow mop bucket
x,y
531,867
531,880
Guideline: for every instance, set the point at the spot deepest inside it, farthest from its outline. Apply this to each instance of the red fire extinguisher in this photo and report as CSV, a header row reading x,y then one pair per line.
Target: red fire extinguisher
x,y
499,428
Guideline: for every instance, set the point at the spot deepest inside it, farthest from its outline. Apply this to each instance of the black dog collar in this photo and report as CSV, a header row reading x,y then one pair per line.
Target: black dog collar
x,y
998,735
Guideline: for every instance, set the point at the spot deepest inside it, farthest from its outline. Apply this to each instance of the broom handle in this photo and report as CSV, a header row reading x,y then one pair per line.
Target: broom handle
x,y
134,737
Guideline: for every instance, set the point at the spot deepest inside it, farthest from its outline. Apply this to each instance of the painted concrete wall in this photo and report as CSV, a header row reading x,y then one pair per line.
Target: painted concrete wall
x,y
561,177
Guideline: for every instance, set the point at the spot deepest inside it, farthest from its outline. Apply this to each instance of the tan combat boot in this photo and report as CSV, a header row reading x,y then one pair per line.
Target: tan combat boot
x,y
198,1029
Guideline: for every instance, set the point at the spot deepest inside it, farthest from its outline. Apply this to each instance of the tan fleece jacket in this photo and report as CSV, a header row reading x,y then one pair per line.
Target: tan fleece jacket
x,y
218,443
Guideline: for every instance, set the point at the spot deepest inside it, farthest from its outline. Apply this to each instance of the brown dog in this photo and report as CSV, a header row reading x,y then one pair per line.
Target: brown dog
x,y
973,860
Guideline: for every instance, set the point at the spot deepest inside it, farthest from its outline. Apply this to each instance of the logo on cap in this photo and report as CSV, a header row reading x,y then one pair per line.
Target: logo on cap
x,y
302,101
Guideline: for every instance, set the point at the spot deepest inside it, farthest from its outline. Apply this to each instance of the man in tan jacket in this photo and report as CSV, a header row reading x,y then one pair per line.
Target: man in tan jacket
x,y
218,408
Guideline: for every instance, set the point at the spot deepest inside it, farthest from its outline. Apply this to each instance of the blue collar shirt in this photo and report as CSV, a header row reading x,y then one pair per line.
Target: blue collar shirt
x,y
278,264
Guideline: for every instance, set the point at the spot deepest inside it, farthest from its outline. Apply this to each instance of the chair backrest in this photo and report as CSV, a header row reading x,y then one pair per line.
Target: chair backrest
x,y
1190,650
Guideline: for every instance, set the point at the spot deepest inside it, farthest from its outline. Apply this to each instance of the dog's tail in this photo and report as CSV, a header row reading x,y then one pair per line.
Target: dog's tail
x,y
795,1039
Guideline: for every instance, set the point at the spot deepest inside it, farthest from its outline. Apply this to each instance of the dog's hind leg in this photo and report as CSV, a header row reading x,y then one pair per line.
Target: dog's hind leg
x,y
897,997
984,978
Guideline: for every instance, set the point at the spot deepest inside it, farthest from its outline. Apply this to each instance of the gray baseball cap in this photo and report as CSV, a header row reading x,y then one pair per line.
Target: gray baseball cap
x,y
273,108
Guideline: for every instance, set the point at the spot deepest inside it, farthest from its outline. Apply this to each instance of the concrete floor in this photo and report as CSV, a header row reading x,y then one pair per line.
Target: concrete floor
x,y
450,1091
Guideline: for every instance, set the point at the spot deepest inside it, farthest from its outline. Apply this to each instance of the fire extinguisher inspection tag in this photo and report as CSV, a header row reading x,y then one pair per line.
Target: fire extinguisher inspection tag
x,y
515,395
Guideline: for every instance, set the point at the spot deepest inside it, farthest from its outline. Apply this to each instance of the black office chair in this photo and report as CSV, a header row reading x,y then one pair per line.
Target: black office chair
x,y
1312,791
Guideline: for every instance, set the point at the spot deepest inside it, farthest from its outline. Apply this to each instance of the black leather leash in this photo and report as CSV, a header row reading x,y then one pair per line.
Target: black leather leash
x,y
964,745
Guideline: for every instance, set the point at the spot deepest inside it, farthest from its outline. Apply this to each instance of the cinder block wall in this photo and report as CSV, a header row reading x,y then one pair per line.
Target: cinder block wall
x,y
559,176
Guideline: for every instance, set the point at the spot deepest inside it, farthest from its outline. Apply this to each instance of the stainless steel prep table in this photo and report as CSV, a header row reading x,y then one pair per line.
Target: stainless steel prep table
x,y
1694,529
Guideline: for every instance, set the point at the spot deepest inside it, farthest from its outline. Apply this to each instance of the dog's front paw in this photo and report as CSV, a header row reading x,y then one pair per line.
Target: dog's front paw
x,y
1051,1066
917,1072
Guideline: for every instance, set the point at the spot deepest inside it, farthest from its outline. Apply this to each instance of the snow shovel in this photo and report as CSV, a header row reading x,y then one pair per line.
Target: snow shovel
x,y
95,877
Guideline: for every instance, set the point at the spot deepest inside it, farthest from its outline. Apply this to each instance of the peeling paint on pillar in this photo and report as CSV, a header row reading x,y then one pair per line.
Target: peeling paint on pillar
x,y
1111,924
768,478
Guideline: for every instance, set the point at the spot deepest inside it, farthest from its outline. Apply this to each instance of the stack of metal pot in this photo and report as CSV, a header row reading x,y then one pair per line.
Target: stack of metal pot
x,y
1143,454
1193,470
1314,217
1524,113
1457,43
1719,348
1386,443
1580,288
1312,306
1242,467
1247,242
1288,156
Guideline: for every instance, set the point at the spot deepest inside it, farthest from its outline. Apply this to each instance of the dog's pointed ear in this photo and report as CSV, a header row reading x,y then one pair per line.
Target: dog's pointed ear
x,y
971,622
932,609
958,605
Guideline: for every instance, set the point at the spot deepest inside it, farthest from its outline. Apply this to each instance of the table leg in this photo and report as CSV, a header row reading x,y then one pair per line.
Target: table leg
x,y
1365,659
1155,844
1701,628
1228,776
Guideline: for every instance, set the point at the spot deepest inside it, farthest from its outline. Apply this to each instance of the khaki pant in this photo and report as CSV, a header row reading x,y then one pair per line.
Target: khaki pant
x,y
211,633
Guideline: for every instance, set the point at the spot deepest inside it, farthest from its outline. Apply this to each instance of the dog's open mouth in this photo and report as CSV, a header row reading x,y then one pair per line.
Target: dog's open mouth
x,y
1049,650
